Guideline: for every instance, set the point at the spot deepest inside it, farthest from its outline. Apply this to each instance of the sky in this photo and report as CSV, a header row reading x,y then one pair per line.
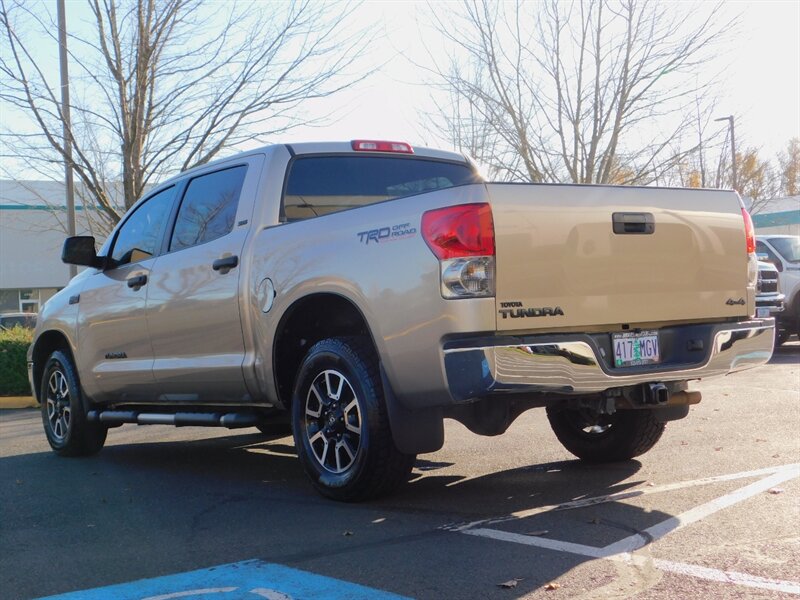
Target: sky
x,y
759,74
760,83
763,90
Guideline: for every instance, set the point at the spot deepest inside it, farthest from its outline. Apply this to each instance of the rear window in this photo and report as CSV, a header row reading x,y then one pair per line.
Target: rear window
x,y
320,185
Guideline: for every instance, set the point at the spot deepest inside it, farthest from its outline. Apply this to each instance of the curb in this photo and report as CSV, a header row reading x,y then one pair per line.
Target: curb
x,y
17,402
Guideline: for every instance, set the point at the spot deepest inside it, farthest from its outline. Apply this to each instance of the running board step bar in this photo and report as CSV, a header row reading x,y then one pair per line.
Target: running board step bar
x,y
180,419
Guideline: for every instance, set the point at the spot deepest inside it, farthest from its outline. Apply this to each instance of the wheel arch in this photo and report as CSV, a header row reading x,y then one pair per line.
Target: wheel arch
x,y
47,343
308,320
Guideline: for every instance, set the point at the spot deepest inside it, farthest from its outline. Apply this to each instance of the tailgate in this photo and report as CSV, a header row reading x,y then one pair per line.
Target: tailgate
x,y
561,264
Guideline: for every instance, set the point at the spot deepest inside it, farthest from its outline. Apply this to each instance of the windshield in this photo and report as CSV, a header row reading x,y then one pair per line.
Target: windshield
x,y
788,248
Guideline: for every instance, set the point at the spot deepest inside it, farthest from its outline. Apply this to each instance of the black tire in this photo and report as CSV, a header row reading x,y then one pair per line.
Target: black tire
x,y
781,337
612,438
365,463
63,410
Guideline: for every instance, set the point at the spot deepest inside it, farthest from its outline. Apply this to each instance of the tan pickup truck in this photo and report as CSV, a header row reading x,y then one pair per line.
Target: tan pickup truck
x,y
364,291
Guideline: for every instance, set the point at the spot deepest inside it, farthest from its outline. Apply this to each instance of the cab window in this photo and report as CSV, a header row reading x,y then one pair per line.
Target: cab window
x,y
320,185
208,210
140,236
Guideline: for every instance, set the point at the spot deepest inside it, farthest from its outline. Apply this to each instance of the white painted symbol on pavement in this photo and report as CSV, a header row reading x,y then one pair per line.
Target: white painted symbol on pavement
x,y
270,594
246,579
263,592
201,592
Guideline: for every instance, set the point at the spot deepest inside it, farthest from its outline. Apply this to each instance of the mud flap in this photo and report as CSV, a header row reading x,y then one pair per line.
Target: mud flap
x,y
414,432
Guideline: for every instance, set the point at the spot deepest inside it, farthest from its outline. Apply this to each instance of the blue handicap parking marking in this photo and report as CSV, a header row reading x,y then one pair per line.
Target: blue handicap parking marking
x,y
251,579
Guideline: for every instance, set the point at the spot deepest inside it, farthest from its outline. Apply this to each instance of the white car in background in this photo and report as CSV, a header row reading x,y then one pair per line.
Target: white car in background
x,y
769,299
17,319
783,251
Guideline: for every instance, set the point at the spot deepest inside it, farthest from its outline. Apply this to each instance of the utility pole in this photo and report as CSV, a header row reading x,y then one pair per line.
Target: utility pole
x,y
62,53
729,119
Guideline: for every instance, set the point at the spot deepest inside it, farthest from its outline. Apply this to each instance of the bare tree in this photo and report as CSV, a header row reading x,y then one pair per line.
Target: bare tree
x,y
164,85
755,180
709,166
592,91
706,164
789,163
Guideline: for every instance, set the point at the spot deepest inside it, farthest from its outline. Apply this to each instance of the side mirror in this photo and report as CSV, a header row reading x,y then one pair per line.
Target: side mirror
x,y
79,250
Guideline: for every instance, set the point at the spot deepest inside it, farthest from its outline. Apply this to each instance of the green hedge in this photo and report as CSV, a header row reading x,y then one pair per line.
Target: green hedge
x,y
13,366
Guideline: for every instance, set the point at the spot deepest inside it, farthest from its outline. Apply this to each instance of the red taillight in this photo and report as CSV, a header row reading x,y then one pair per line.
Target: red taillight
x,y
459,231
749,232
379,146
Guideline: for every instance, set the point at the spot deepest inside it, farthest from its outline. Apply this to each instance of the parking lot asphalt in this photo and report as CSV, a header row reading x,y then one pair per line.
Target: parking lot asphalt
x,y
712,511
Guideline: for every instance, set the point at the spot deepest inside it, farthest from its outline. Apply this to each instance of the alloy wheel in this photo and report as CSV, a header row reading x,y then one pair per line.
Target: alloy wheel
x,y
333,421
59,412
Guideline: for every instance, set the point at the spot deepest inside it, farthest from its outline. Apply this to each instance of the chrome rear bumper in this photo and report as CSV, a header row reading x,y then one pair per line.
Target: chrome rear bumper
x,y
577,366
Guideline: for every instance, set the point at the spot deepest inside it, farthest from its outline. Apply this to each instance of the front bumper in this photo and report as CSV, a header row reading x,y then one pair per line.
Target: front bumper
x,y
577,364
769,305
30,379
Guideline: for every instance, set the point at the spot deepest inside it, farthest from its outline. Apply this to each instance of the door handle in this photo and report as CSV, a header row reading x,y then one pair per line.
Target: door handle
x,y
223,265
137,282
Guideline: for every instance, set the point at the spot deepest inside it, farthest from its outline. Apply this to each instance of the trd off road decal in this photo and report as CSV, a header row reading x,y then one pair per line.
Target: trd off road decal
x,y
393,233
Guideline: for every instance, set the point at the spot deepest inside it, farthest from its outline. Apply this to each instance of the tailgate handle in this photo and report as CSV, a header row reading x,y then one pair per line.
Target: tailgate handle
x,y
641,223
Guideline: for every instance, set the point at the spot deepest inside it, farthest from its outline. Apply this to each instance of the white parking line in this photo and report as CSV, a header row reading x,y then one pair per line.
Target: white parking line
x,y
753,581
622,550
651,534
539,542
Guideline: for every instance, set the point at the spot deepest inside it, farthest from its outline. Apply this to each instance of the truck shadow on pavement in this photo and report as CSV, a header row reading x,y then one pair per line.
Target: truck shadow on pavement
x,y
201,502
787,354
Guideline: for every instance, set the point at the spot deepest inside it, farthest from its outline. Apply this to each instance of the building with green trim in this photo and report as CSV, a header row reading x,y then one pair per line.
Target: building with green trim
x,y
33,225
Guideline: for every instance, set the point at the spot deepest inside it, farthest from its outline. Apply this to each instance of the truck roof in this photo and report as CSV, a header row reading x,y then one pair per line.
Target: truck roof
x,y
345,147
325,148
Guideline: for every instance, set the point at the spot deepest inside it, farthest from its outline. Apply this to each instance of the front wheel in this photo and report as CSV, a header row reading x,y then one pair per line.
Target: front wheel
x,y
605,438
340,423
63,414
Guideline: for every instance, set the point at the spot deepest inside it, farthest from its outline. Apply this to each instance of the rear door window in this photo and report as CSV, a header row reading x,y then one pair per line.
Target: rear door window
x,y
208,210
319,185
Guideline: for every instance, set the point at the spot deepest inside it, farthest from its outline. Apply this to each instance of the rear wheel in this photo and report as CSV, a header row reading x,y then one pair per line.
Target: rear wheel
x,y
340,423
605,438
63,414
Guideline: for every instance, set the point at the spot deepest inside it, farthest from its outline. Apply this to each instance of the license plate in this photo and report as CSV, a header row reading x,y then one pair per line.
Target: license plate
x,y
635,348
762,313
